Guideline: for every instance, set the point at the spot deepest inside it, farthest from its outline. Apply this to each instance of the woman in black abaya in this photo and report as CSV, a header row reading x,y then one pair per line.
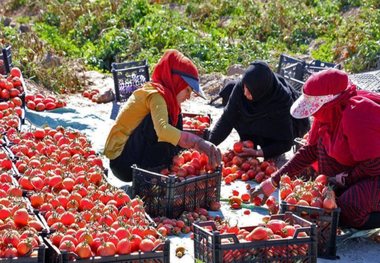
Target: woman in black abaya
x,y
258,108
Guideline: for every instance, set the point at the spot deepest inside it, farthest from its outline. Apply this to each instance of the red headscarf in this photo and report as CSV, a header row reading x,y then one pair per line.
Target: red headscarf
x,y
169,84
350,124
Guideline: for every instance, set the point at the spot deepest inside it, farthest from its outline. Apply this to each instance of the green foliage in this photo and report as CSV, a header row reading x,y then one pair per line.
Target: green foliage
x,y
214,33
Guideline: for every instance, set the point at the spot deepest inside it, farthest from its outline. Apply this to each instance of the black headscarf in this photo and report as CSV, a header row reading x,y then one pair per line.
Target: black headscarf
x,y
268,113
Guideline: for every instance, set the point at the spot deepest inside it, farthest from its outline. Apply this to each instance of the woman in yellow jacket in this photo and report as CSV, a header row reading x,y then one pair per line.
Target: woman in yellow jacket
x,y
148,130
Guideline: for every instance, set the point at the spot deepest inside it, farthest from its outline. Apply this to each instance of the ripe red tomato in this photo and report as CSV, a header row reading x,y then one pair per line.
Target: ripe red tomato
x,y
238,147
21,217
5,94
259,233
106,249
123,247
321,179
146,245
15,72
83,250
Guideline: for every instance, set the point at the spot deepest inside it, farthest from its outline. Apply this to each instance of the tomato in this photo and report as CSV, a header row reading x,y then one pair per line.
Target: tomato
x,y
329,203
67,245
259,177
307,196
285,190
257,201
276,226
123,247
245,197
259,233
31,105
5,94
37,225
13,92
146,245
135,241
83,250
67,218
106,249
21,217
24,247
316,202
238,147
270,169
15,72
285,179
322,179
10,252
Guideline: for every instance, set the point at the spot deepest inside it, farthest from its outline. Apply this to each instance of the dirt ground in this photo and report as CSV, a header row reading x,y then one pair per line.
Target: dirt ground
x,y
355,250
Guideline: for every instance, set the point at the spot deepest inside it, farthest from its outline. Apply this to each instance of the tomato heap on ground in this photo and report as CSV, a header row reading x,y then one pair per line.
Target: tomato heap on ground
x,y
40,102
64,180
244,168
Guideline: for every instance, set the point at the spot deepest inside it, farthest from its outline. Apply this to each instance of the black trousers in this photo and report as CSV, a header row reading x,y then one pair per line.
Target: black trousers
x,y
144,150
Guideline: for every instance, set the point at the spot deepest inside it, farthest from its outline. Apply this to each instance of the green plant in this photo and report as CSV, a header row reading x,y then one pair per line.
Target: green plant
x,y
214,33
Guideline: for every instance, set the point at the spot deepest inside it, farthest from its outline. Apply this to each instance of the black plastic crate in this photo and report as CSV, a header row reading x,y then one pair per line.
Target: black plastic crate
x,y
297,71
54,255
202,133
215,247
327,222
129,76
6,57
168,196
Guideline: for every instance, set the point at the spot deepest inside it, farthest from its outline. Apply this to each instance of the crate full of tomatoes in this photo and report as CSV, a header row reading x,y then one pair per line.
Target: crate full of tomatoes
x,y
108,253
12,85
280,238
20,229
314,201
198,124
186,185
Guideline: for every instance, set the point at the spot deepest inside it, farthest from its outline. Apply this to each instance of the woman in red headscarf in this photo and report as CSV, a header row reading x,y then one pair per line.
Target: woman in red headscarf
x,y
147,131
344,140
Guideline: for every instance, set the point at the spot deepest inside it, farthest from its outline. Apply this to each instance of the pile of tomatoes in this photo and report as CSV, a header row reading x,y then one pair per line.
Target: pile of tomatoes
x,y
244,168
314,193
187,164
11,86
64,179
19,227
91,94
11,113
196,122
40,102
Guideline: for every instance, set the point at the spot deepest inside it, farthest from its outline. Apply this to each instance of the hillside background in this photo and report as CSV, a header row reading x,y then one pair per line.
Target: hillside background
x,y
53,40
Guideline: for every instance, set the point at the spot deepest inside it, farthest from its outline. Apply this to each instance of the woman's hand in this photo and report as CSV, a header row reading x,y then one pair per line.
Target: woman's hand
x,y
339,179
266,188
249,152
189,140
